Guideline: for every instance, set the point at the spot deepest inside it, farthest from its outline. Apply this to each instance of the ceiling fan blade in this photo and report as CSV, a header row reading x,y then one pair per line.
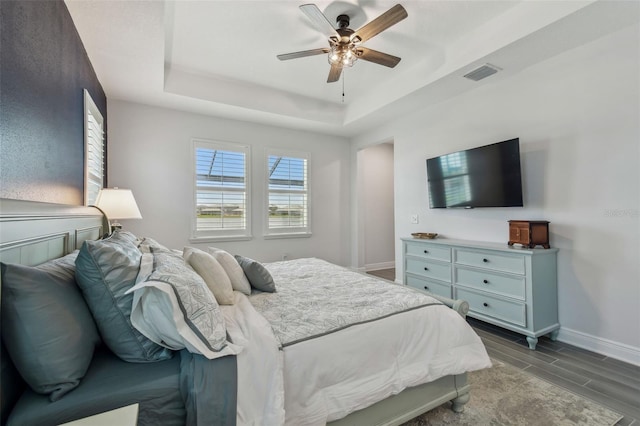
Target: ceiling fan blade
x,y
302,54
378,57
391,17
320,21
334,73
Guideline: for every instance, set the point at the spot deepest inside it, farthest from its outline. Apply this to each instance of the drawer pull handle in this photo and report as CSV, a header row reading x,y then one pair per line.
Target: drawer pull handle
x,y
485,281
485,304
426,252
426,269
426,288
485,260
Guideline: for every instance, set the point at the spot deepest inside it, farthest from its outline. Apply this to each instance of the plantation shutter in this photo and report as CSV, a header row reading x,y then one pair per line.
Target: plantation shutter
x,y
94,150
221,190
288,189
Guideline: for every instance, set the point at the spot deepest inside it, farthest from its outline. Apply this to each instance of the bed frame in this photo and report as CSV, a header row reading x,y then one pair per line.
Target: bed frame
x,y
34,232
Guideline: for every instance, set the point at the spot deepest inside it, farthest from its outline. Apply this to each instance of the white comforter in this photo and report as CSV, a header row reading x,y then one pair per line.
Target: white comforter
x,y
341,367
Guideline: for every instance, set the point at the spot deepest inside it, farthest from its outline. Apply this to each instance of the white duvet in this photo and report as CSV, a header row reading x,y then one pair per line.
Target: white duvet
x,y
324,378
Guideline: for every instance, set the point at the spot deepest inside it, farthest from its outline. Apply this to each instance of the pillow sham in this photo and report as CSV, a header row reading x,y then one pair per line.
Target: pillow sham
x,y
105,270
150,245
173,307
63,267
46,326
239,281
212,273
121,235
257,274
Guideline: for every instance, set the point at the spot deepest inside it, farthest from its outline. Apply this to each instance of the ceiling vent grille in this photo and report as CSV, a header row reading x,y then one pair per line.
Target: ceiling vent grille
x,y
481,72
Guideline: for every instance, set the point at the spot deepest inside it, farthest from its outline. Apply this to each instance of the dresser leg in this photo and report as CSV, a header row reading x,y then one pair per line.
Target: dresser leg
x,y
533,341
554,335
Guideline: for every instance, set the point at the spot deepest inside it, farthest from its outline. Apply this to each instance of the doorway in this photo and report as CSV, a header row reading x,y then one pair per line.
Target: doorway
x,y
376,208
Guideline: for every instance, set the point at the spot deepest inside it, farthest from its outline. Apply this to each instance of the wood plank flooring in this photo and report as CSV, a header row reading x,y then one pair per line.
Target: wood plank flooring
x,y
607,381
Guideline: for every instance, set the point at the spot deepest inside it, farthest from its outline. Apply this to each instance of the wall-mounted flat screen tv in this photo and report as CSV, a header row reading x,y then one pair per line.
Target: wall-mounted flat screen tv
x,y
486,176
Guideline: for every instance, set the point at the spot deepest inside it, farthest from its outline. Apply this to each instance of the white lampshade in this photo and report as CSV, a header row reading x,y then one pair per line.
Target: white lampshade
x,y
118,203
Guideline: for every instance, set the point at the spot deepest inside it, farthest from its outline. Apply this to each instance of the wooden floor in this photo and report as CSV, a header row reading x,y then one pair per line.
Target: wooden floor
x,y
612,383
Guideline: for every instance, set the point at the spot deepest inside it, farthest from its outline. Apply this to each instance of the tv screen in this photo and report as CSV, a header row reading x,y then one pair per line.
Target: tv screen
x,y
487,176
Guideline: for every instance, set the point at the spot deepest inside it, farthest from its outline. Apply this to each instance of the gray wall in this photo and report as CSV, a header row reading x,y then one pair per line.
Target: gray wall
x,y
158,168
44,71
576,115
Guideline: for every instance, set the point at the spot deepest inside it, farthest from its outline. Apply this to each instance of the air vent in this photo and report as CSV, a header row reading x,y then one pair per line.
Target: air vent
x,y
481,72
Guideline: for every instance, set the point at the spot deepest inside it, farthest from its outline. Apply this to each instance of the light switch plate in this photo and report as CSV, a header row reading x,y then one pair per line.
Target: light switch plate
x,y
414,218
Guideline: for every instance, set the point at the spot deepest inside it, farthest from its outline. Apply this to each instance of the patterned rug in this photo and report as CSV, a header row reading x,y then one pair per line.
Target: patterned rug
x,y
505,395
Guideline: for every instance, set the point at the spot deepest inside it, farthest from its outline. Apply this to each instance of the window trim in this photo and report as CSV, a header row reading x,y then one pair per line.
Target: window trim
x,y
90,108
299,232
222,235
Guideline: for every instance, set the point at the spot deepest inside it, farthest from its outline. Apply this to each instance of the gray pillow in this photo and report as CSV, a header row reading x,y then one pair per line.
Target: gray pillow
x,y
47,327
64,267
257,274
119,234
149,245
105,270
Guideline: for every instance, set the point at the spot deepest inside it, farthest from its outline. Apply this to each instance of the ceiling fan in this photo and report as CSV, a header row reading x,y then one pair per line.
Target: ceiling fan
x,y
345,44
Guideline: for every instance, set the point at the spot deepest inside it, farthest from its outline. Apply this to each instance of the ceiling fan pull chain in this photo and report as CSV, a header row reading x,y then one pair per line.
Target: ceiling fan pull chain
x,y
343,77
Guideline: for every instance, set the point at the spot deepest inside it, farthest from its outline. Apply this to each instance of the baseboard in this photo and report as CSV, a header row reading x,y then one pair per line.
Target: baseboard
x,y
620,351
378,266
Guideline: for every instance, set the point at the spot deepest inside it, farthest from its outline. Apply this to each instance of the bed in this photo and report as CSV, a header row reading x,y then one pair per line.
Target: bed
x,y
35,233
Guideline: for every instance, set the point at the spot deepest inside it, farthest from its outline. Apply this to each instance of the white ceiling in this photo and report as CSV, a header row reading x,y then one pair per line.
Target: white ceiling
x,y
219,57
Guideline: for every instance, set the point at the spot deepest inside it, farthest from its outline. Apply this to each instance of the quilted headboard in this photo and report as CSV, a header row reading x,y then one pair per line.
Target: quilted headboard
x,y
32,233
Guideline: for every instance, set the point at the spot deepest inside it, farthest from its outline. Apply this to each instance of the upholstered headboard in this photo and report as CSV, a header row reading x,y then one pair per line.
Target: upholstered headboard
x,y
32,233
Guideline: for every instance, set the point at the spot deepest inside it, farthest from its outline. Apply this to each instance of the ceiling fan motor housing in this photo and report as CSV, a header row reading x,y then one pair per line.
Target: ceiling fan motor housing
x,y
343,21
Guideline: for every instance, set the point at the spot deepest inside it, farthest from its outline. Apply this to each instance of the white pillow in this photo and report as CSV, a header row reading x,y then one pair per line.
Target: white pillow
x,y
173,307
212,273
239,280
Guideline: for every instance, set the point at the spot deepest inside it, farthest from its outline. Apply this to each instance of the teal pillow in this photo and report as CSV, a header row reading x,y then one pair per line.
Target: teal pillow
x,y
105,270
257,274
47,328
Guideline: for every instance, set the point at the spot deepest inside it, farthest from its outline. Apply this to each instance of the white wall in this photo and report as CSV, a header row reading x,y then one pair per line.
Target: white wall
x,y
150,152
375,191
577,116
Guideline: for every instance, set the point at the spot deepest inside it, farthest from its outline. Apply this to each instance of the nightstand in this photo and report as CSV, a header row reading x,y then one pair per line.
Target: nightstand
x,y
125,416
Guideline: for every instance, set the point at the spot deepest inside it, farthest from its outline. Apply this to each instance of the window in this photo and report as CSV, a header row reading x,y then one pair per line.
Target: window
x,y
93,150
288,189
221,201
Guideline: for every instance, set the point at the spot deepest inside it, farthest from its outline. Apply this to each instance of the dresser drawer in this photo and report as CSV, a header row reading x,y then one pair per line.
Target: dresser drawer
x,y
426,268
428,251
490,260
508,285
486,304
439,289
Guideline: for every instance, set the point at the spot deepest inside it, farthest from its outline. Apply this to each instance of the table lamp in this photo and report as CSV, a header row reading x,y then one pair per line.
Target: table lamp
x,y
117,203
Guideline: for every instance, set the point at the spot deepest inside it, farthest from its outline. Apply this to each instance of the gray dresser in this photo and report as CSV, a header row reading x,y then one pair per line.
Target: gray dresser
x,y
511,287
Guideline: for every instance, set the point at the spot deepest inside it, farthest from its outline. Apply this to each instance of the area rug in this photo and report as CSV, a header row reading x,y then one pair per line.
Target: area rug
x,y
505,395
